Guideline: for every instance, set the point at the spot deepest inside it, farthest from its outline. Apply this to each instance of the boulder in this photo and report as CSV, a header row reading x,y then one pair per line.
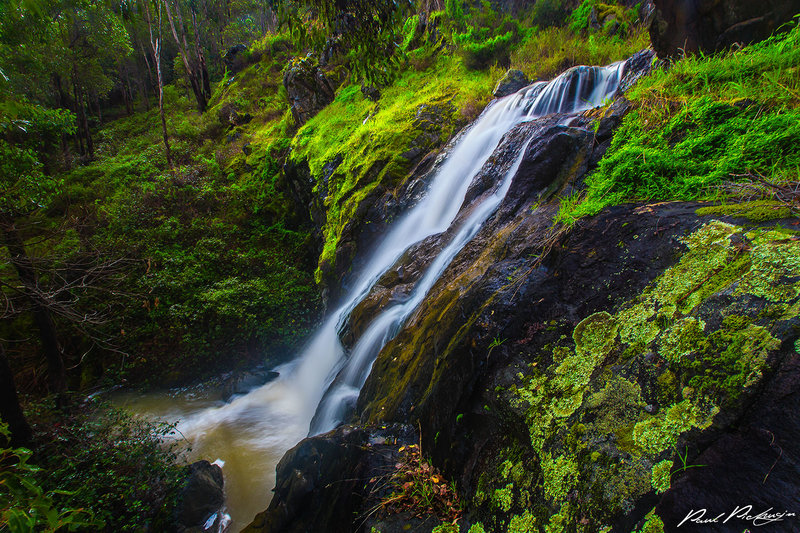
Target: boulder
x,y
201,497
688,26
235,59
308,89
371,92
230,116
513,81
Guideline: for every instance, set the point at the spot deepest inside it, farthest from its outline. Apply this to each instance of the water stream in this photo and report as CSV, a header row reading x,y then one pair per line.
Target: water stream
x,y
251,432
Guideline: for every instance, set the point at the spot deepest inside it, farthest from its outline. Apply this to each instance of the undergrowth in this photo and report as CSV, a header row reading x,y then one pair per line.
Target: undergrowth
x,y
94,469
419,489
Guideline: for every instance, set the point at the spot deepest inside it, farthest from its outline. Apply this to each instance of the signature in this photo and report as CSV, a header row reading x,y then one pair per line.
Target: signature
x,y
743,512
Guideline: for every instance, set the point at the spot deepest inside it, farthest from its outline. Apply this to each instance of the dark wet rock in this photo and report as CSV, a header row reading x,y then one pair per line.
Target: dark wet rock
x,y
325,481
235,59
371,92
688,26
611,119
247,149
757,463
308,88
513,81
242,383
230,116
597,267
638,65
201,497
308,203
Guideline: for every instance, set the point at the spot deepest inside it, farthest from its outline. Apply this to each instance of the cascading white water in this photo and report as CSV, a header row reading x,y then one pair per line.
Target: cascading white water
x,y
270,419
575,90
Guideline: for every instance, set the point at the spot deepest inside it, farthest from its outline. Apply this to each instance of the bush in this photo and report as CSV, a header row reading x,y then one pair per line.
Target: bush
x,y
488,40
25,506
547,13
104,466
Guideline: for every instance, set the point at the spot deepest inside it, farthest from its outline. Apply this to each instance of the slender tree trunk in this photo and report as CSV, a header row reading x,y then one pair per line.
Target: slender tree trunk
x,y
84,105
41,315
156,45
127,92
191,70
201,58
10,409
79,130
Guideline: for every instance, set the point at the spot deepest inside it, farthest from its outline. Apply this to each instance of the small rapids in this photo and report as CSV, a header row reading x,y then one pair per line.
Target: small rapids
x,y
314,392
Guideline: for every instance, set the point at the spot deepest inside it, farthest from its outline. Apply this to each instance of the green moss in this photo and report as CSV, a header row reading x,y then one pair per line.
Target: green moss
x,y
757,211
370,138
661,476
704,121
477,527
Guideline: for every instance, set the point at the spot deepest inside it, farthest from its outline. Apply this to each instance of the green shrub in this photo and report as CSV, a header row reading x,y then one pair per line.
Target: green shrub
x,y
487,39
25,506
547,13
108,466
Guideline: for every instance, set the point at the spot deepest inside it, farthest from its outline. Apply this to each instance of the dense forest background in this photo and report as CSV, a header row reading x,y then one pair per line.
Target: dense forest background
x,y
169,210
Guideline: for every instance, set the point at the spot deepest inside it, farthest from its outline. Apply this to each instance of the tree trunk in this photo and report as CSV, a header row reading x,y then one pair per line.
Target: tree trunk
x,y
201,60
10,409
156,45
191,70
41,315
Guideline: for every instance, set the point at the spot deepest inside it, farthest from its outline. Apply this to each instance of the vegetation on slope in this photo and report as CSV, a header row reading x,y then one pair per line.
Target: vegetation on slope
x,y
702,123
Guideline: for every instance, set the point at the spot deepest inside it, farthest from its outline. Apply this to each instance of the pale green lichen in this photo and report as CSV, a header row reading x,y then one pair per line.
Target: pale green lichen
x,y
660,432
594,336
652,524
635,324
477,527
504,498
505,468
559,522
661,476
525,523
446,528
684,337
708,355
560,474
774,261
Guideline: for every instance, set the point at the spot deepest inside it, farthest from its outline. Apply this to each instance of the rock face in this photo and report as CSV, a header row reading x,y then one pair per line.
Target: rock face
x,y
513,81
308,88
201,497
712,25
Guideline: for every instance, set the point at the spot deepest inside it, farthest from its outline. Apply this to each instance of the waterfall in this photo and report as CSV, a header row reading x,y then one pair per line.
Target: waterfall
x,y
577,89
313,391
